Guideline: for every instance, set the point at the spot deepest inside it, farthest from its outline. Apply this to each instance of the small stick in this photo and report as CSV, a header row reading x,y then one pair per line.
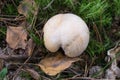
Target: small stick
x,y
18,70
13,57
17,57
48,5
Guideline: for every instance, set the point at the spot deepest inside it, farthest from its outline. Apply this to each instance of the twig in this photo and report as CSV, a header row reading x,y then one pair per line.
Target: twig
x,y
2,32
45,78
86,70
18,70
12,57
97,33
14,3
76,76
48,5
9,16
17,58
8,19
81,78
73,71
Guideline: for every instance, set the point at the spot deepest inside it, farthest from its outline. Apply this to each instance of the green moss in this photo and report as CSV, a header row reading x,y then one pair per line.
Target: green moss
x,y
10,9
25,75
2,35
95,11
116,7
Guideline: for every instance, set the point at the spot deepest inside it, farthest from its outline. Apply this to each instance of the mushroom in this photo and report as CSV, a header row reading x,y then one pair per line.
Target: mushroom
x,y
67,31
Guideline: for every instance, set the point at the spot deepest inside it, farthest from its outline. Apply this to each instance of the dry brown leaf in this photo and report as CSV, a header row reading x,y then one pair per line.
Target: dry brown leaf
x,y
27,7
33,73
113,71
96,70
16,37
53,65
30,47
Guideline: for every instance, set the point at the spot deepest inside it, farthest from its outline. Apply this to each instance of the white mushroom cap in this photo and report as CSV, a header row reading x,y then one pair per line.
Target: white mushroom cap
x,y
67,31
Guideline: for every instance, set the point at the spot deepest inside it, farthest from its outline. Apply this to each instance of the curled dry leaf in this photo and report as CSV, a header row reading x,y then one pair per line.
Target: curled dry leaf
x,y
30,47
27,7
16,37
95,70
53,65
113,71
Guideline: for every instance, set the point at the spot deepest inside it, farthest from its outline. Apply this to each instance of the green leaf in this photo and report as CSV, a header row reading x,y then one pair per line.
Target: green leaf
x,y
3,73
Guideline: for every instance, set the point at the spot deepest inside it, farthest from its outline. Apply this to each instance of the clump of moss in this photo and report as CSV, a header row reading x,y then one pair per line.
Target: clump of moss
x,y
116,7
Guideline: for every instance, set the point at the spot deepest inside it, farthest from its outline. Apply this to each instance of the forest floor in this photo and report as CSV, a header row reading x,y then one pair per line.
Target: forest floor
x,y
22,62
